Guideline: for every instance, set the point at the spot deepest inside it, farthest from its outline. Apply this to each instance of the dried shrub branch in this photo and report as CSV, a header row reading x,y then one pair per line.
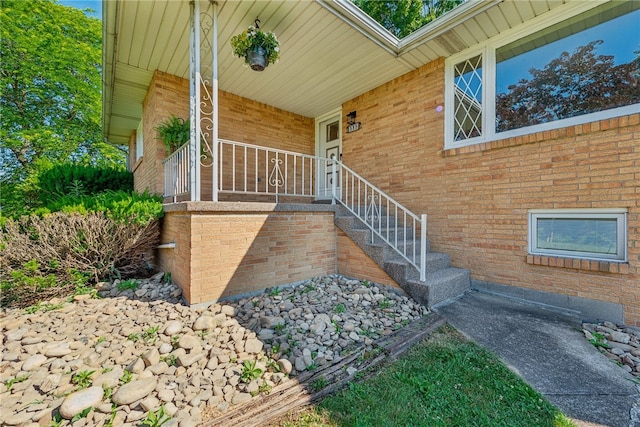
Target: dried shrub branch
x,y
65,245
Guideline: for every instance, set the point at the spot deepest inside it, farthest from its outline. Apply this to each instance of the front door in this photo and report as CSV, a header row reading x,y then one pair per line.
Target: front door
x,y
329,146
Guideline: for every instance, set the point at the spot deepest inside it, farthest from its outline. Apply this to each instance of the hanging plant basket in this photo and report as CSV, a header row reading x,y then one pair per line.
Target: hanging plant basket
x,y
257,48
257,58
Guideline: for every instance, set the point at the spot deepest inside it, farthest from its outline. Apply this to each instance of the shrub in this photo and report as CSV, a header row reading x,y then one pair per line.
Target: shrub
x,y
75,240
46,183
120,206
80,180
43,257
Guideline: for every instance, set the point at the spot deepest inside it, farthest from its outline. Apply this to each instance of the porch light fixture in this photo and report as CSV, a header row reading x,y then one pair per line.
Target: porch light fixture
x,y
352,125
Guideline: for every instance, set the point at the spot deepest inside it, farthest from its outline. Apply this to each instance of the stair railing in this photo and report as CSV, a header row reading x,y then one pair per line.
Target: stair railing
x,y
387,219
252,169
176,173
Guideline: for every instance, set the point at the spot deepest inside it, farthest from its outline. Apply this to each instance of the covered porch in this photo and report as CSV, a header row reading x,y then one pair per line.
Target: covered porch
x,y
273,137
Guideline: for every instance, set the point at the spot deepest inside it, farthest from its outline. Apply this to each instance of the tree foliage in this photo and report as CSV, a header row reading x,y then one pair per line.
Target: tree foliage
x,y
572,84
50,87
402,17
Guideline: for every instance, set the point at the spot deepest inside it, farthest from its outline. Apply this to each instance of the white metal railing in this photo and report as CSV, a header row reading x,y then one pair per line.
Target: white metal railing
x,y
253,169
387,219
176,173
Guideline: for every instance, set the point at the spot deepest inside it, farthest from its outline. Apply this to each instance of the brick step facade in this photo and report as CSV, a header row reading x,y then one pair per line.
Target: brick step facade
x,y
443,281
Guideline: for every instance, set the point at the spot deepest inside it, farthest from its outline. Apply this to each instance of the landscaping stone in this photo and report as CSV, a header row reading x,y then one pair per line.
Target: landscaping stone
x,y
197,357
80,400
135,390
34,362
620,343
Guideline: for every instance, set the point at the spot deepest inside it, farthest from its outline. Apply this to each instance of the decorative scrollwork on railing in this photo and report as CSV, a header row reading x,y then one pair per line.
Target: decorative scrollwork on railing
x,y
206,30
372,211
206,124
276,179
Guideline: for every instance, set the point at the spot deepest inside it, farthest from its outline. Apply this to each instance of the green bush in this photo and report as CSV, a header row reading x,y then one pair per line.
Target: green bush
x,y
47,182
122,206
81,180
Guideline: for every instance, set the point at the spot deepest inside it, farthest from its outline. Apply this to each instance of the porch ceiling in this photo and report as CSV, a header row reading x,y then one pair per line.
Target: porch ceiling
x,y
330,51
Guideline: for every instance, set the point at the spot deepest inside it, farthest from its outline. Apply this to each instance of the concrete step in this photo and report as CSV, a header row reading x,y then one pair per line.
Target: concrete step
x,y
440,285
443,281
405,249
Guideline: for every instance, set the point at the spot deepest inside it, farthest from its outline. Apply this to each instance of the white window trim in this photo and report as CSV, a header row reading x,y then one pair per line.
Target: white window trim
x,y
488,50
139,141
620,214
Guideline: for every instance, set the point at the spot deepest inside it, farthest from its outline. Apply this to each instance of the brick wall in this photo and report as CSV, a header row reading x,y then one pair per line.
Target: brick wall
x,y
478,197
239,119
176,227
353,262
220,253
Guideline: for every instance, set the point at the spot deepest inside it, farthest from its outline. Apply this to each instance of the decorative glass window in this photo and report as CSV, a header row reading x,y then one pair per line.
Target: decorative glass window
x,y
598,234
139,141
467,98
578,69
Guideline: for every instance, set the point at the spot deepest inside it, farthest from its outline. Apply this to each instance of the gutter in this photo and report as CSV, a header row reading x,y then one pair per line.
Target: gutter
x,y
353,16
371,29
110,9
446,22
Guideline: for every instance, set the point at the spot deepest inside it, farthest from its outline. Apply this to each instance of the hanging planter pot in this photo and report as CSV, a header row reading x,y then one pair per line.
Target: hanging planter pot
x,y
257,58
257,48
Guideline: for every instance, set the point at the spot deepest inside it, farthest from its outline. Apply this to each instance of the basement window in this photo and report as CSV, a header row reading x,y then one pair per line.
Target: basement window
x,y
596,234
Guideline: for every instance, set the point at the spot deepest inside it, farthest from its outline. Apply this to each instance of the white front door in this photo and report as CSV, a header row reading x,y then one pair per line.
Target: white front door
x,y
330,147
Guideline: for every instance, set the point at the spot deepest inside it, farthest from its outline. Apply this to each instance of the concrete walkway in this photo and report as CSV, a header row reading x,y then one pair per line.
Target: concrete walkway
x,y
547,349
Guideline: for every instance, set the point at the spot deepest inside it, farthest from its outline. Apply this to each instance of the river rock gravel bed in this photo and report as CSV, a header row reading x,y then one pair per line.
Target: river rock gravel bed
x,y
620,343
113,360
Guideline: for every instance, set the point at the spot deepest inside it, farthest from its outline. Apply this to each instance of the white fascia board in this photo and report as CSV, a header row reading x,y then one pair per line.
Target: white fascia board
x,y
363,23
370,28
446,22
109,37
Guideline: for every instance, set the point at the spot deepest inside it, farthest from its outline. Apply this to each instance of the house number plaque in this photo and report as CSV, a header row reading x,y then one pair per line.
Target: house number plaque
x,y
352,127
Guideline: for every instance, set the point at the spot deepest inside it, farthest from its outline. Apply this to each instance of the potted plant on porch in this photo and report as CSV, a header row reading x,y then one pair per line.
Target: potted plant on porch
x,y
173,132
258,48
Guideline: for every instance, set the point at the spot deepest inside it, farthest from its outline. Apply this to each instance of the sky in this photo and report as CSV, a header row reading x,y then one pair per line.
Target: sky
x,y
83,4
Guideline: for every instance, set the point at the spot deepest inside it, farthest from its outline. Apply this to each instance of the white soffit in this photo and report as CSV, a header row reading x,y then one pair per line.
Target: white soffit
x,y
330,51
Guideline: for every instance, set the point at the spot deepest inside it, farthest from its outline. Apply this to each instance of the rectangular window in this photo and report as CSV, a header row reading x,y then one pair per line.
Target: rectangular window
x,y
583,65
598,234
139,141
580,69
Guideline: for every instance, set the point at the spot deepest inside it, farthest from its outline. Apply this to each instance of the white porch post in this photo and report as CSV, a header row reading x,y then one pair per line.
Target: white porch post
x,y
423,247
194,102
214,102
334,166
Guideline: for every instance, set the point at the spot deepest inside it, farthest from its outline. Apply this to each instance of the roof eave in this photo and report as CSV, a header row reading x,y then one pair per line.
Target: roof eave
x,y
444,23
370,28
109,13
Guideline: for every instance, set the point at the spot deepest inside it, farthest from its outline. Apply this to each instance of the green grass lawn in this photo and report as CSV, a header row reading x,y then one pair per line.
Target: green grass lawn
x,y
442,381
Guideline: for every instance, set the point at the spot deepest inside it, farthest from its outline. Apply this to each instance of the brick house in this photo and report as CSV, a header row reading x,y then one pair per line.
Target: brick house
x,y
530,183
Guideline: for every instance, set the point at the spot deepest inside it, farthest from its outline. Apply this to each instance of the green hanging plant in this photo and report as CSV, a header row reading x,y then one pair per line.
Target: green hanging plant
x,y
253,38
173,133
